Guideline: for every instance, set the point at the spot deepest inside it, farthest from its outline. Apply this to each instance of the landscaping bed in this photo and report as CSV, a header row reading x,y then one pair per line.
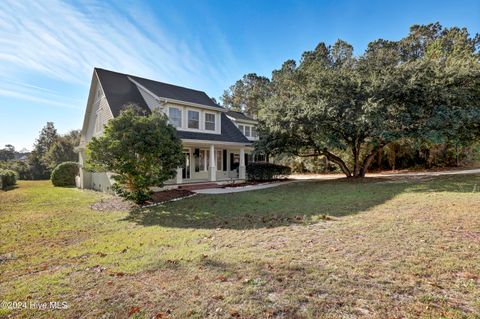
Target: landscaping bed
x,y
168,195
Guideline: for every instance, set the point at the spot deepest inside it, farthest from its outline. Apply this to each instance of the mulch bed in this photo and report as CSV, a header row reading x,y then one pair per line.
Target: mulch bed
x,y
119,204
165,196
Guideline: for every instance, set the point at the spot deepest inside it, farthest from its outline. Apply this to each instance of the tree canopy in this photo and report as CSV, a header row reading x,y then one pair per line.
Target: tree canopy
x,y
426,85
247,94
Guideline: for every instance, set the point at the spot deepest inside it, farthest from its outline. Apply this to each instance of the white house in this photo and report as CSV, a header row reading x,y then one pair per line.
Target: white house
x,y
216,143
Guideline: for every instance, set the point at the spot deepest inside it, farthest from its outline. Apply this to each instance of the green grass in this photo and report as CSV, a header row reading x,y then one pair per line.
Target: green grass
x,y
375,248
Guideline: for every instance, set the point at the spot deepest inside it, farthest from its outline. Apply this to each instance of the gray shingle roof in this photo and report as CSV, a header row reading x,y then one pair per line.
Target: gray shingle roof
x,y
119,91
174,92
240,116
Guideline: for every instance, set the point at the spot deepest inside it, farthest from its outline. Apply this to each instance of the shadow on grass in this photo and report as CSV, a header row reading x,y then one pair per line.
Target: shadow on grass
x,y
9,188
297,203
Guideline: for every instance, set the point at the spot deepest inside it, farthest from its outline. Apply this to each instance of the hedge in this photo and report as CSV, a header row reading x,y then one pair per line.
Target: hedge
x,y
263,171
7,178
64,174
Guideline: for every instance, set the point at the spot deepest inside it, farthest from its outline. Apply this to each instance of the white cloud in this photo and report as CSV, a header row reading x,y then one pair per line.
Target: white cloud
x,y
64,41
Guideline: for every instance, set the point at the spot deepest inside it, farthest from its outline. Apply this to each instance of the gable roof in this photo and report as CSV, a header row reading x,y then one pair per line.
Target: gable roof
x,y
119,90
240,116
174,92
124,89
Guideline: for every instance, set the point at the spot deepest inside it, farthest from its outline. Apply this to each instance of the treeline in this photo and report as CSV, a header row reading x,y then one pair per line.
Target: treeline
x,y
50,149
409,103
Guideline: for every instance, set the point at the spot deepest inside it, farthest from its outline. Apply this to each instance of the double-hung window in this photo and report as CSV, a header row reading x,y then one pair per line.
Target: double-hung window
x,y
247,131
193,119
209,121
175,116
254,132
240,127
219,160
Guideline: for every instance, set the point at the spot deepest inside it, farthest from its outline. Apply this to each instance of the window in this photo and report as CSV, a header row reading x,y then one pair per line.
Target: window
x,y
254,132
193,119
219,160
99,120
201,161
210,121
240,127
247,131
175,116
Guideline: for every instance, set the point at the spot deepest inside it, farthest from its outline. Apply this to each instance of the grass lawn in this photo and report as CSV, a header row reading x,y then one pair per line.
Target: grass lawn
x,y
380,248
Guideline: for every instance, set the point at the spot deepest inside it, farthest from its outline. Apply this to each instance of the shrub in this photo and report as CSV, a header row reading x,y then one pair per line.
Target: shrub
x,y
64,174
7,178
20,167
141,150
266,171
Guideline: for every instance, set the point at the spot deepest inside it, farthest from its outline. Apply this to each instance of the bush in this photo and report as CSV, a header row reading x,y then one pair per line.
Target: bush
x,y
20,167
266,171
7,178
64,174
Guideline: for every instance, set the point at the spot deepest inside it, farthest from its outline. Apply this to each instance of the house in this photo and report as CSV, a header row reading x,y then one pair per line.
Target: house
x,y
216,142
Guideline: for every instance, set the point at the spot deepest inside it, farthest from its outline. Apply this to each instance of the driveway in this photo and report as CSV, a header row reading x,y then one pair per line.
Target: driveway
x,y
398,174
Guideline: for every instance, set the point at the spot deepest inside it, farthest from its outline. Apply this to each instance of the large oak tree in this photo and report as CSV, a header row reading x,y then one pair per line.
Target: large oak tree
x,y
427,85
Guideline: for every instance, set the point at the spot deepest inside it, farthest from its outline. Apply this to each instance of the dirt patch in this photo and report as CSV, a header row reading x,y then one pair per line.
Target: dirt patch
x,y
165,196
120,204
113,204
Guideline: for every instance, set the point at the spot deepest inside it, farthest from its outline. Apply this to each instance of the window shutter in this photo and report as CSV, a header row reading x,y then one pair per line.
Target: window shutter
x,y
225,160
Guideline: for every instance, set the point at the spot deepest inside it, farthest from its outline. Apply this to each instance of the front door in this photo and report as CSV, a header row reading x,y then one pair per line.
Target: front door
x,y
186,166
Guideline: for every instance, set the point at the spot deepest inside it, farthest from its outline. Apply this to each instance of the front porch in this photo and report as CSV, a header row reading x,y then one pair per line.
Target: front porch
x,y
214,162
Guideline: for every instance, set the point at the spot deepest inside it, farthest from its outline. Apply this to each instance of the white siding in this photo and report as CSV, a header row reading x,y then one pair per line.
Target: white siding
x,y
99,115
149,99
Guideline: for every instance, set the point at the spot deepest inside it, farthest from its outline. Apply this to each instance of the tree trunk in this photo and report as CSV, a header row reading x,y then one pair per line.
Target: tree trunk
x,y
380,158
368,160
337,160
356,159
456,154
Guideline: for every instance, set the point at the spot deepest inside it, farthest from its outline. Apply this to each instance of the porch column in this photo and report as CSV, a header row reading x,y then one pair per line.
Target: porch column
x,y
179,178
241,169
212,170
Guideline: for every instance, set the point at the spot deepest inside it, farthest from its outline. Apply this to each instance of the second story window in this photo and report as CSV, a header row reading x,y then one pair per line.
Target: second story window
x,y
193,119
254,132
210,122
247,131
175,116
240,127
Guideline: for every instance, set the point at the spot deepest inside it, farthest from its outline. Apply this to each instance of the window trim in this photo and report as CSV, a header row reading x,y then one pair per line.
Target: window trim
x,y
188,119
214,121
181,115
249,130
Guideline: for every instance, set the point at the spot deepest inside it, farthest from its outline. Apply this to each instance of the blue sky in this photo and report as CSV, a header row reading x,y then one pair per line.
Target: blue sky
x,y
48,48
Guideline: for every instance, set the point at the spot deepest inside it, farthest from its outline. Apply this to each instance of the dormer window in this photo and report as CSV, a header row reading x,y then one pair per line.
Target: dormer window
x,y
193,119
247,131
254,132
209,121
175,116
